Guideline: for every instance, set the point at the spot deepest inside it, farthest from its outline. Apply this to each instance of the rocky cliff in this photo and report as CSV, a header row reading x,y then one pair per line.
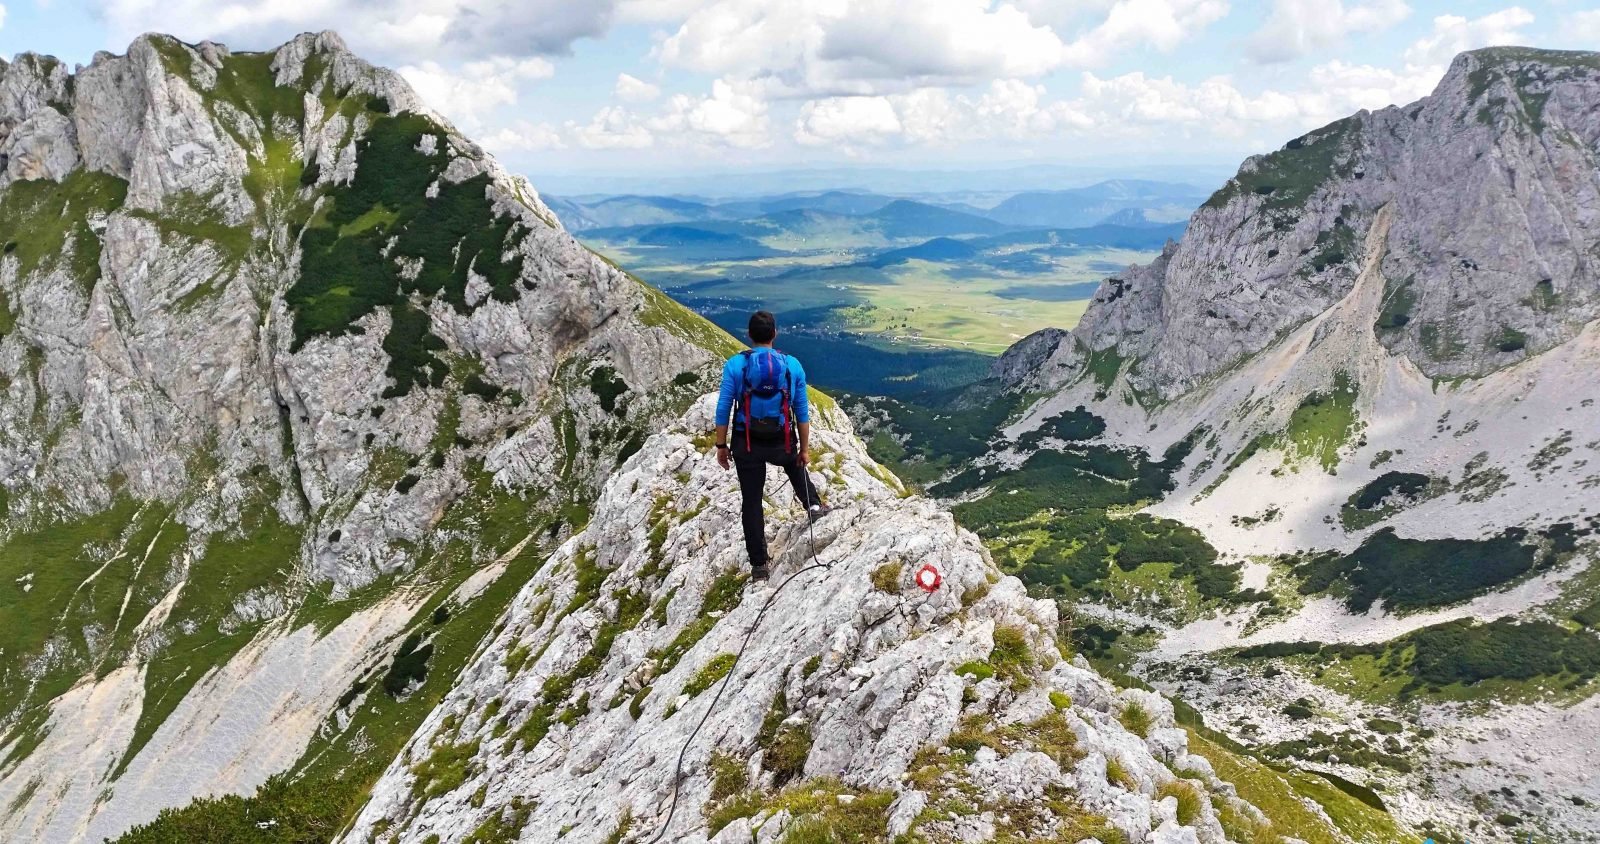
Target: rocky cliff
x,y
1369,366
286,365
347,496
1490,260
864,707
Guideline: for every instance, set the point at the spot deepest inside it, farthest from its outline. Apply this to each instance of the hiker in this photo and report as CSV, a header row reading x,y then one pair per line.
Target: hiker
x,y
765,391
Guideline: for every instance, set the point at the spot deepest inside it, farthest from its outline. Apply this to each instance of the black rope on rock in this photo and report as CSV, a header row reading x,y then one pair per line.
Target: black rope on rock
x,y
677,772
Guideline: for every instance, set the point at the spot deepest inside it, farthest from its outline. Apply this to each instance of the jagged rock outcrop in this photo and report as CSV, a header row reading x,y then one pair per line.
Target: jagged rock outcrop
x,y
949,713
274,338
1493,184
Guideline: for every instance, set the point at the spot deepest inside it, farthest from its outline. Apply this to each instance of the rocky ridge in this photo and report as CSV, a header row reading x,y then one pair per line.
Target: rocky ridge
x,y
286,363
862,701
1404,296
1493,187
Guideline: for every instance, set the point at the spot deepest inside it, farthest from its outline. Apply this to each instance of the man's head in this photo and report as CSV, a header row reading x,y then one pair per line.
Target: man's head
x,y
763,327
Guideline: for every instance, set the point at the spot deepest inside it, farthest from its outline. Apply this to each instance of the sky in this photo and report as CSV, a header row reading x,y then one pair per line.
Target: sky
x,y
664,87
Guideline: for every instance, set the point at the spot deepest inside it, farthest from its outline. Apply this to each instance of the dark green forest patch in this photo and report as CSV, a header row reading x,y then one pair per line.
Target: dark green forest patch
x,y
1378,490
1060,521
1082,548
928,436
1413,574
1074,425
1461,654
1385,495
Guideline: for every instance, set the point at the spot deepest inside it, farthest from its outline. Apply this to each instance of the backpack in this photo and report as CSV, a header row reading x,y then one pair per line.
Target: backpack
x,y
765,403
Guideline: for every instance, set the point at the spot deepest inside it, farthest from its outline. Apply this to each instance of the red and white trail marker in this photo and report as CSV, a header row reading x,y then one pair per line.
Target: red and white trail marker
x,y
928,578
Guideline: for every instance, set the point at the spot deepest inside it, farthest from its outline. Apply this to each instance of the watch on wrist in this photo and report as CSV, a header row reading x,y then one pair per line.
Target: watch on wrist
x,y
722,445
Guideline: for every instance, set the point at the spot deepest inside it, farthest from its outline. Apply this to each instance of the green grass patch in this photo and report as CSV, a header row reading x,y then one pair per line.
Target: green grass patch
x,y
886,578
1288,178
706,677
786,756
259,557
192,217
978,669
1136,718
375,217
725,593
284,810
824,809
58,579
1280,796
1011,656
660,311
1322,424
1190,803
443,770
43,222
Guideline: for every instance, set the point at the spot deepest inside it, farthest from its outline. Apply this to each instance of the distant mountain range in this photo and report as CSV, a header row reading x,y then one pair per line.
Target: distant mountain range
x,y
1122,201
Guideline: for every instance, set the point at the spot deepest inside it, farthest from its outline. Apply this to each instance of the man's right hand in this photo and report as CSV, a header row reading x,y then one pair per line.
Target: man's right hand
x,y
722,457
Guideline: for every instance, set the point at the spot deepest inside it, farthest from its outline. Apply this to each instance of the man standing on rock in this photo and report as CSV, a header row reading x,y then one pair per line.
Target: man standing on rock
x,y
765,391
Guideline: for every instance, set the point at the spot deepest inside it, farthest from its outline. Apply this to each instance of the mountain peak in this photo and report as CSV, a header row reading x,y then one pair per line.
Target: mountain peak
x,y
1283,240
269,317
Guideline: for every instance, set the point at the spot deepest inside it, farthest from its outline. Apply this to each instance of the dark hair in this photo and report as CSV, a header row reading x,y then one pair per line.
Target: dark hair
x,y
763,326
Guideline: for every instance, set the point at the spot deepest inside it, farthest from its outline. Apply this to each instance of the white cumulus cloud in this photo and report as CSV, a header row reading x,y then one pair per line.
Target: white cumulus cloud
x,y
841,47
1296,28
1007,108
1582,28
402,30
734,114
632,89
612,127
470,92
1453,34
1128,24
523,136
847,121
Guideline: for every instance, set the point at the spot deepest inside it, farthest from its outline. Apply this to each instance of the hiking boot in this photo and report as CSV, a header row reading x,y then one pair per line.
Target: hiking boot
x,y
760,571
817,511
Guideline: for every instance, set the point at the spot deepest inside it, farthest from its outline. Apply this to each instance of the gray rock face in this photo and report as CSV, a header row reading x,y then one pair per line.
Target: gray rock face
x,y
1407,291
1025,358
1496,201
170,344
153,357
571,720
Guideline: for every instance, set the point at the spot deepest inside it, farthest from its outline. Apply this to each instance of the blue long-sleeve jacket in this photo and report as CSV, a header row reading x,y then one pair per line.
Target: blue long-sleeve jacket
x,y
733,389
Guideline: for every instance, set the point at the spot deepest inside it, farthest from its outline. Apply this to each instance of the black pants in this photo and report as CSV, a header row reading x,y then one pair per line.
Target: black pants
x,y
751,466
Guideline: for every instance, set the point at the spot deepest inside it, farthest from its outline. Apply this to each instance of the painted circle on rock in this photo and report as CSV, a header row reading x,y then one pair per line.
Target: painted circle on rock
x,y
928,577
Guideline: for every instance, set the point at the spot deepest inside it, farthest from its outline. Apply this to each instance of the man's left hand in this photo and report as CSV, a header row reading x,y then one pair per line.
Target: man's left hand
x,y
805,457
